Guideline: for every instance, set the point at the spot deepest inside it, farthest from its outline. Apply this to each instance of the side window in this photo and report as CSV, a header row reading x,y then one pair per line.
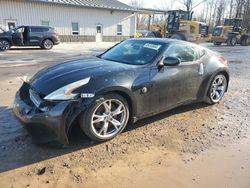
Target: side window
x,y
184,53
19,30
38,29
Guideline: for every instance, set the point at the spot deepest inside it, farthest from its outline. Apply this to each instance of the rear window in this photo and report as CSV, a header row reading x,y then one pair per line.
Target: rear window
x,y
39,29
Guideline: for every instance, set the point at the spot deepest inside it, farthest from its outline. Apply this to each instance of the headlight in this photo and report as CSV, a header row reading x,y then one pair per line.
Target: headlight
x,y
65,93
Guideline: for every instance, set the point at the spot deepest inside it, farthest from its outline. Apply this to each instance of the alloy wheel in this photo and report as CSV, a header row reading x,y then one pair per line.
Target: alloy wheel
x,y
218,88
48,44
4,45
109,118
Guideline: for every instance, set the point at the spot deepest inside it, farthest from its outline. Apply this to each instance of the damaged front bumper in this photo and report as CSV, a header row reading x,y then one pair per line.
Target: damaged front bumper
x,y
46,126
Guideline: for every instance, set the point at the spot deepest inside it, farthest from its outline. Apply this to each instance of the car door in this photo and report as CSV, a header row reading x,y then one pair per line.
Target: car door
x,y
35,35
174,85
17,36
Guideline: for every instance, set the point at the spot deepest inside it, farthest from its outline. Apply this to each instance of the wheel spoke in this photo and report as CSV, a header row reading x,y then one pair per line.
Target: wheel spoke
x,y
107,106
118,111
220,88
217,95
104,129
115,123
220,81
98,118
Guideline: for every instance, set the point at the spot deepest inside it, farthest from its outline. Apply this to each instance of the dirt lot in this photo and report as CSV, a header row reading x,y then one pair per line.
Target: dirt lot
x,y
192,146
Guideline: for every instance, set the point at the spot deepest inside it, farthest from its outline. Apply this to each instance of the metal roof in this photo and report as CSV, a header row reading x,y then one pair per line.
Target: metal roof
x,y
102,4
151,11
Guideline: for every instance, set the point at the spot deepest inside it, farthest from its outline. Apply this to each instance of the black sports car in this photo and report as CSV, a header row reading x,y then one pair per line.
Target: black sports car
x,y
135,79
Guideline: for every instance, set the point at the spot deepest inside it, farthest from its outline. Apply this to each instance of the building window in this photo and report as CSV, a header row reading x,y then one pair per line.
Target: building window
x,y
44,23
11,24
119,29
75,28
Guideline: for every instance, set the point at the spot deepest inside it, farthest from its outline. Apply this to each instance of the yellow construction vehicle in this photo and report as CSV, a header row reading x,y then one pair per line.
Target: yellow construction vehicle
x,y
181,26
231,33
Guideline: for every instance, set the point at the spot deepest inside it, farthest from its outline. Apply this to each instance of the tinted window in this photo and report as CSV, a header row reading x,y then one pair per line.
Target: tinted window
x,y
38,29
135,52
19,30
184,52
217,31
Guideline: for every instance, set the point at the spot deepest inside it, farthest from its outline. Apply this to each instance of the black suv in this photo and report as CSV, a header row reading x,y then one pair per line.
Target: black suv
x,y
42,36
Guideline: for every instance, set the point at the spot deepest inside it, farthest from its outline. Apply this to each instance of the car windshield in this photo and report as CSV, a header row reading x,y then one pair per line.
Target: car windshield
x,y
135,52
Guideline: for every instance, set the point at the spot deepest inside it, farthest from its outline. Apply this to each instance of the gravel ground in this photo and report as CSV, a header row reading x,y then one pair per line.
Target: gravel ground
x,y
147,152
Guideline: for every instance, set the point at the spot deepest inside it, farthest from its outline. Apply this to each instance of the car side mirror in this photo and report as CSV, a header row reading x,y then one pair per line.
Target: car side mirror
x,y
170,61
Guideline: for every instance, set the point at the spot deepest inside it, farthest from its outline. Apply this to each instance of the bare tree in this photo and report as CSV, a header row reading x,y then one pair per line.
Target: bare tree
x,y
239,8
188,4
246,16
220,12
191,4
231,9
141,19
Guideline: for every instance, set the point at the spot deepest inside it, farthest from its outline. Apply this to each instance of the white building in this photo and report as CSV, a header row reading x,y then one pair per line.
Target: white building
x,y
74,20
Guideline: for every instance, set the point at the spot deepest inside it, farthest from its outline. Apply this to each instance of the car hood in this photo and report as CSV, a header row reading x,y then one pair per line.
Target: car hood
x,y
6,33
57,76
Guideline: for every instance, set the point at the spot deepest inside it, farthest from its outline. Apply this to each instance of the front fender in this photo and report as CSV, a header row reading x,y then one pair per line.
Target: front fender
x,y
124,92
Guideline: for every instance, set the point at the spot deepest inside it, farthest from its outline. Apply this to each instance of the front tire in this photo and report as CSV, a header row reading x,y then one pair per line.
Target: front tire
x,y
47,44
105,119
217,89
232,41
4,45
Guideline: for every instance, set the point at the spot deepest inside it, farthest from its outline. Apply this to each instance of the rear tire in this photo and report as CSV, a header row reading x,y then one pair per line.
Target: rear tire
x,y
217,89
47,44
245,41
4,45
106,118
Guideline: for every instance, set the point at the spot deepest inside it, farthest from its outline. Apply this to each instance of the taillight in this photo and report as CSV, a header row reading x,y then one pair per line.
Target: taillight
x,y
57,34
223,60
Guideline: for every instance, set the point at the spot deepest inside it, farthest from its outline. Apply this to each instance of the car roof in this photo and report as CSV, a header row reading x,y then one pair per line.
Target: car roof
x,y
36,26
161,40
